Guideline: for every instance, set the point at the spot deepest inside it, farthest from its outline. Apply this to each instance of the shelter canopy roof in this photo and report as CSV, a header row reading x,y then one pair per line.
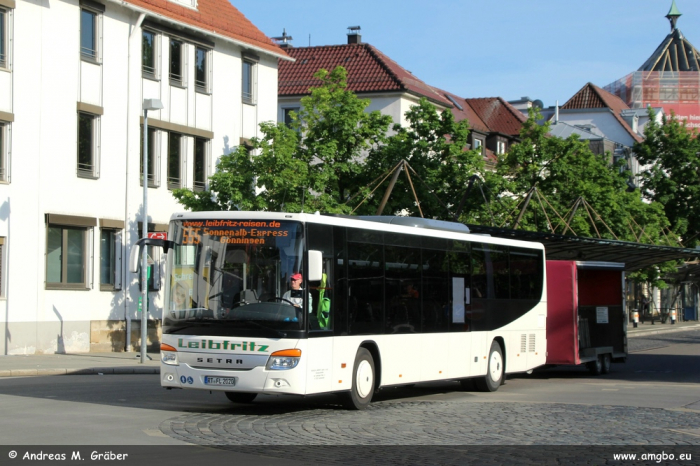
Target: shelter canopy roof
x,y
635,256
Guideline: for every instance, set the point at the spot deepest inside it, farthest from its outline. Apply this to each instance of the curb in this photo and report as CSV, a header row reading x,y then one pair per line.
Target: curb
x,y
642,333
88,371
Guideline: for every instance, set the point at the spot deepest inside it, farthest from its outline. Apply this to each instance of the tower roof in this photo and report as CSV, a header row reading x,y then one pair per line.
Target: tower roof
x,y
675,53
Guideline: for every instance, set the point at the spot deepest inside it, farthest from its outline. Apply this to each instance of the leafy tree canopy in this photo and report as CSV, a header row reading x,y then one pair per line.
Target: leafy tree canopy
x,y
434,145
316,164
671,153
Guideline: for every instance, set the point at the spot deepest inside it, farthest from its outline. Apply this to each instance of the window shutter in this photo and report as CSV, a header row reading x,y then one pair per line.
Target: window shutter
x,y
184,146
90,238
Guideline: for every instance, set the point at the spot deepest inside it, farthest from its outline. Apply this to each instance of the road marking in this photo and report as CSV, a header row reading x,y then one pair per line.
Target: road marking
x,y
154,433
611,389
693,432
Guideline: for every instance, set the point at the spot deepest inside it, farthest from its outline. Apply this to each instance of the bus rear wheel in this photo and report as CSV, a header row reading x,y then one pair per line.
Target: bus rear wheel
x,y
241,397
362,381
495,371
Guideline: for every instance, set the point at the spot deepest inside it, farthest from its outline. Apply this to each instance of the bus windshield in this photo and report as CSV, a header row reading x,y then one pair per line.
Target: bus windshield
x,y
229,277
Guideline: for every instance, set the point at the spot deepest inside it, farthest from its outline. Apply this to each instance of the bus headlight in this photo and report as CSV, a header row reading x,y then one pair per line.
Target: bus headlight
x,y
168,355
283,360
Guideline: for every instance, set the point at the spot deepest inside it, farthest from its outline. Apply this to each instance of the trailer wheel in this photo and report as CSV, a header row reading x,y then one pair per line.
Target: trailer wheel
x,y
362,381
596,367
605,369
241,397
495,371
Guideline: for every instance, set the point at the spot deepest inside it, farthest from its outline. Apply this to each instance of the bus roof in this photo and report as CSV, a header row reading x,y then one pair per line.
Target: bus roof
x,y
396,224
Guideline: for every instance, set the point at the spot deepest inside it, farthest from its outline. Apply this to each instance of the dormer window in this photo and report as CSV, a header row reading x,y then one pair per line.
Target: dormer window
x,y
186,3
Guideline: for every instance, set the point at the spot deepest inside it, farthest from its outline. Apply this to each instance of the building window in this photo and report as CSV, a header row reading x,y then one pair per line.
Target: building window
x,y
288,115
200,164
500,147
248,82
174,161
4,152
201,70
89,35
110,259
88,145
4,15
153,158
149,53
66,256
176,49
477,143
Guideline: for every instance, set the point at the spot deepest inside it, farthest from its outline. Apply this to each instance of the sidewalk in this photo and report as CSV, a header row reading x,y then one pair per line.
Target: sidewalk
x,y
646,328
78,364
130,363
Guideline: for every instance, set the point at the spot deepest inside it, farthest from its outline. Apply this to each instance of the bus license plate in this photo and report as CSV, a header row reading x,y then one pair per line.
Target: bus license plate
x,y
220,380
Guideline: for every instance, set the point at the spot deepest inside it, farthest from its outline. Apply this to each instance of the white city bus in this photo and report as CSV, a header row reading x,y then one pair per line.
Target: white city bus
x,y
384,301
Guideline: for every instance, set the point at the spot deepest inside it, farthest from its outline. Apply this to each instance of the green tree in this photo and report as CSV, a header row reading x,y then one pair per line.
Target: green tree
x,y
434,145
315,164
671,152
564,170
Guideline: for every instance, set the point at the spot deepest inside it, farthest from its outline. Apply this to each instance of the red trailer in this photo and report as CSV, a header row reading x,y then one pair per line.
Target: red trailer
x,y
586,322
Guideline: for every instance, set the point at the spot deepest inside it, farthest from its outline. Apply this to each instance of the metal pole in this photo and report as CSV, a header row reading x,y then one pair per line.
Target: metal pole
x,y
144,253
390,188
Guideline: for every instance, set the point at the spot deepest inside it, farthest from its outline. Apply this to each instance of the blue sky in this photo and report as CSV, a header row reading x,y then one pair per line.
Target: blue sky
x,y
544,49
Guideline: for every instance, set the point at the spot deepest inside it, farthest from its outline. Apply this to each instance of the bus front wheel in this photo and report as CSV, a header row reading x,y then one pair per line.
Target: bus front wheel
x,y
241,397
362,381
495,371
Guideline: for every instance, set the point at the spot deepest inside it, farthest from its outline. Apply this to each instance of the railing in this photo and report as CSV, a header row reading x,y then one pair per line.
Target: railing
x,y
174,183
149,71
88,52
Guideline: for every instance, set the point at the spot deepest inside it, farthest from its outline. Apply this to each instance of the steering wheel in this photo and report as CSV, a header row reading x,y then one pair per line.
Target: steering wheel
x,y
272,300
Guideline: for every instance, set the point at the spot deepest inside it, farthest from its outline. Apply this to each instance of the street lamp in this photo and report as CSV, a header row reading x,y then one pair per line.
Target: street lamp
x,y
148,104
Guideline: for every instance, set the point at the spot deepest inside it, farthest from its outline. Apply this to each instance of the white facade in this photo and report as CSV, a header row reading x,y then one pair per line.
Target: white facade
x,y
53,212
393,104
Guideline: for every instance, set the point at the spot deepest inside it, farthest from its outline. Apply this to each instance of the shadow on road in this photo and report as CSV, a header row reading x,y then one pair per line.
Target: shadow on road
x,y
144,391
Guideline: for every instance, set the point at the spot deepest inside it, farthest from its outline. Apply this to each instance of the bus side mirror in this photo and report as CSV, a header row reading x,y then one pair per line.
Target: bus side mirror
x,y
315,266
135,257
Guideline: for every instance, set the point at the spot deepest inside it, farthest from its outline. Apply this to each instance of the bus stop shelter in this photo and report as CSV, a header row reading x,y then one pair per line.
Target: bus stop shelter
x,y
635,256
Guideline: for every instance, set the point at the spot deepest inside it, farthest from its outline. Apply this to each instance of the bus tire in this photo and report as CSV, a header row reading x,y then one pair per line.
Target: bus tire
x,y
596,366
363,381
241,397
605,364
495,372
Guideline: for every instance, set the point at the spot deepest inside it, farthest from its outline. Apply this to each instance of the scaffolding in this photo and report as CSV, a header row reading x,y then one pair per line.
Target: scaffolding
x,y
674,91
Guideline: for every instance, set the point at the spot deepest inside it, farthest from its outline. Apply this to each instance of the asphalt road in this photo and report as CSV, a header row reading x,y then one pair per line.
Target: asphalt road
x,y
652,400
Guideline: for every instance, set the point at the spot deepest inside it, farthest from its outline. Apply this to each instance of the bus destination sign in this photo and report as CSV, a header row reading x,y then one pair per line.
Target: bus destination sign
x,y
246,232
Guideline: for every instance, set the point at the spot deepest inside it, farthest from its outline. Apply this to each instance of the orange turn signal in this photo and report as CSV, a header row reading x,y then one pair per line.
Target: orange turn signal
x,y
164,347
292,353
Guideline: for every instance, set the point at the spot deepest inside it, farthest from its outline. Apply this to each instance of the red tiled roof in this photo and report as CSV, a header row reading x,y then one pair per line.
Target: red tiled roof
x,y
466,113
369,70
499,115
592,96
217,16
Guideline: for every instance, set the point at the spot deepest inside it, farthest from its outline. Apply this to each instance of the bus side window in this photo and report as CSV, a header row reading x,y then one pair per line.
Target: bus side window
x,y
320,238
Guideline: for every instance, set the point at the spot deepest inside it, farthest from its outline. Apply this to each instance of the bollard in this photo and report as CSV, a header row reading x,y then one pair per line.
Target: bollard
x,y
673,316
635,318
